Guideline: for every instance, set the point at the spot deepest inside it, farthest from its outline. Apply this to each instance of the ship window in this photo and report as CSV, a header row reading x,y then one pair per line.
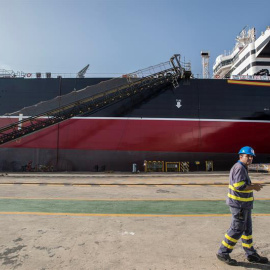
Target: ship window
x,y
222,64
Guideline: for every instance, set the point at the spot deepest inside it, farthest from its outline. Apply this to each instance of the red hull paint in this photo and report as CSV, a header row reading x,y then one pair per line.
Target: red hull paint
x,y
149,135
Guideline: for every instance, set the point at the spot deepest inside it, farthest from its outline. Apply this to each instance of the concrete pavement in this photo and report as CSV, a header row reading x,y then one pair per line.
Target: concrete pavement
x,y
215,178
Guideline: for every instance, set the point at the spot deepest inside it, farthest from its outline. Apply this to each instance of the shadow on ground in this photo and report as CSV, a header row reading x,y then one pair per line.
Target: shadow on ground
x,y
248,265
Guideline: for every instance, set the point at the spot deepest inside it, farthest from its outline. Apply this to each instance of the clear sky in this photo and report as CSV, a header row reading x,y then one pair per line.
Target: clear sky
x,y
120,36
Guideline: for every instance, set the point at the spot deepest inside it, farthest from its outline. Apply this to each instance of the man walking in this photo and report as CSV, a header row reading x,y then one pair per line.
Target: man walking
x,y
240,200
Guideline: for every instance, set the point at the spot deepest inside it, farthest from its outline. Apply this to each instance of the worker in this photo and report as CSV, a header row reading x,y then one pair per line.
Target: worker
x,y
240,200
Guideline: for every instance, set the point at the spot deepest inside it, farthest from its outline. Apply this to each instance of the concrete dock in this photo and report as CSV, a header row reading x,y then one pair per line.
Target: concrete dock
x,y
122,221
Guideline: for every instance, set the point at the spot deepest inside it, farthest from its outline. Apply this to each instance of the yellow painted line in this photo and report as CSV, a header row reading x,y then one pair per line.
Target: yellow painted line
x,y
118,215
119,185
81,185
136,185
119,199
158,185
249,83
168,185
54,185
34,184
107,215
104,199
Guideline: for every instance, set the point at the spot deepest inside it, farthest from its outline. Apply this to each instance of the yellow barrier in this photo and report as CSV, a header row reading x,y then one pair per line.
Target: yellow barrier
x,y
172,167
184,166
265,167
161,166
154,166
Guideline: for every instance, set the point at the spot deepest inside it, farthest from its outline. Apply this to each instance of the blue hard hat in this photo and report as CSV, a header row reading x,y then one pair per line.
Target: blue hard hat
x,y
247,150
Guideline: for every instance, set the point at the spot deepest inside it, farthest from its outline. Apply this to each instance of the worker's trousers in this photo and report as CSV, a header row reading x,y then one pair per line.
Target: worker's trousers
x,y
241,226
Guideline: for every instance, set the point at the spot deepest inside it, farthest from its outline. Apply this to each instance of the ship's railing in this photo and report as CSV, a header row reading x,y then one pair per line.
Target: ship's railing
x,y
49,75
137,74
6,73
250,77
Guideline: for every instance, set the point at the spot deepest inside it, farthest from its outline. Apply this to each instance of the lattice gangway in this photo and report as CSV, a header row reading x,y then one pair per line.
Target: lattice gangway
x,y
92,98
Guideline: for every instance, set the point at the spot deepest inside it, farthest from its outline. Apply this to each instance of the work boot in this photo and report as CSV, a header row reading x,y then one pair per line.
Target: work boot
x,y
257,258
227,259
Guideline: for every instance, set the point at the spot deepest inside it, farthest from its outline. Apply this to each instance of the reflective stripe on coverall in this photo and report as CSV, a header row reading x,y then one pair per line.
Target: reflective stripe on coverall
x,y
241,227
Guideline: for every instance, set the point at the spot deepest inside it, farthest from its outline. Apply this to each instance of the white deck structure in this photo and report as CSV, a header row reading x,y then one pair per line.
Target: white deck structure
x,y
249,57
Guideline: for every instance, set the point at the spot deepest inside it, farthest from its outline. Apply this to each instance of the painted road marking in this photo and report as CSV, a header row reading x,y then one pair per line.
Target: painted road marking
x,y
116,206
34,184
118,199
112,199
191,184
117,215
116,185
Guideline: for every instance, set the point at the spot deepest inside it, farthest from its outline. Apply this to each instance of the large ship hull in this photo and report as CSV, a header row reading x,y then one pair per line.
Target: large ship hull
x,y
16,93
198,121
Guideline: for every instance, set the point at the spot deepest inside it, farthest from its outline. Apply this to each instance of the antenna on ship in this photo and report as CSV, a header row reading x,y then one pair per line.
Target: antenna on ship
x,y
205,64
82,72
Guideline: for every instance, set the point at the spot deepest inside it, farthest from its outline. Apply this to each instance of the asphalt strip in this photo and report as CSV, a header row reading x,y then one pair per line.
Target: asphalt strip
x,y
124,207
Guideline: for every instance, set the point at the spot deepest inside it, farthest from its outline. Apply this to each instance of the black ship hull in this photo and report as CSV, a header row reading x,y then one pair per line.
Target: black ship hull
x,y
199,121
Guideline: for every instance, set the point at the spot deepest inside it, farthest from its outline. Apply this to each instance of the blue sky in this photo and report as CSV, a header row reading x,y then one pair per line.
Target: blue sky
x,y
120,36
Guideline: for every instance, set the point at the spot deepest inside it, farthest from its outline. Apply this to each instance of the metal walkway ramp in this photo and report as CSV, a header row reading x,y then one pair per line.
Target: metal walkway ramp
x,y
93,98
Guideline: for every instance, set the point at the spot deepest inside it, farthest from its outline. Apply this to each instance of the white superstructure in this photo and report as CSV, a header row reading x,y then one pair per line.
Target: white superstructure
x,y
249,57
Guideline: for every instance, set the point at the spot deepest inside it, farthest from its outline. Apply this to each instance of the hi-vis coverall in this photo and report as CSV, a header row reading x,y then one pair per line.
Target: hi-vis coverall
x,y
241,204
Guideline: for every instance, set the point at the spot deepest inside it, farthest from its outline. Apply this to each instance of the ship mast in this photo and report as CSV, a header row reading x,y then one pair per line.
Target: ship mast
x,y
205,64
